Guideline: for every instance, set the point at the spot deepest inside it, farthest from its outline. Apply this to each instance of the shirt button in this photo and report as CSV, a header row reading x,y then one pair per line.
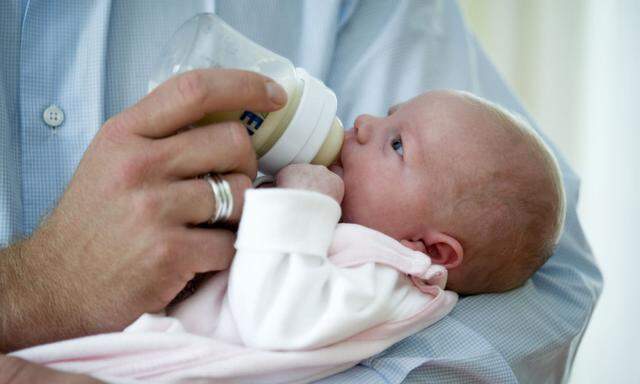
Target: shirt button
x,y
53,116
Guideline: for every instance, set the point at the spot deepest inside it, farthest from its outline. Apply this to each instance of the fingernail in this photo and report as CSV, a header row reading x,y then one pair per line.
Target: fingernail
x,y
276,93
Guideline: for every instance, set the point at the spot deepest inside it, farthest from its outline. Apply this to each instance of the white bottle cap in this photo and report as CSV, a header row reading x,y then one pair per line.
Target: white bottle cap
x,y
308,128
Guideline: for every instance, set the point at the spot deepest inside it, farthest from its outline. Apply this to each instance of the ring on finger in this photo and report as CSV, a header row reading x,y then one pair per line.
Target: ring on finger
x,y
222,198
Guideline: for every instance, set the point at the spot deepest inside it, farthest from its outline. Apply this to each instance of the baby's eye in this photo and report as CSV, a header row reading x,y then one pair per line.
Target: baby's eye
x,y
396,144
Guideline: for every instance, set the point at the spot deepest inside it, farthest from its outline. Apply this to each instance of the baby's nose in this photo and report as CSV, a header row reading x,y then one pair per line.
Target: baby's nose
x,y
362,128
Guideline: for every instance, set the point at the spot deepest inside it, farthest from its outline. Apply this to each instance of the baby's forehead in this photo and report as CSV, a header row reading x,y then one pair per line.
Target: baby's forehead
x,y
460,113
444,114
452,125
442,103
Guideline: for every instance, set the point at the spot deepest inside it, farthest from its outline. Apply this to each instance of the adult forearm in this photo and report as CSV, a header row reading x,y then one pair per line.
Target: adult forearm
x,y
41,292
12,311
31,308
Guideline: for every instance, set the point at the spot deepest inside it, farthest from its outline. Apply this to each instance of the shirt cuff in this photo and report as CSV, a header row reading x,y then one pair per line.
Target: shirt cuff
x,y
287,220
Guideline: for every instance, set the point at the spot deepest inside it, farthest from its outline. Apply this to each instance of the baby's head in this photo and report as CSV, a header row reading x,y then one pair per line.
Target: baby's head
x,y
461,179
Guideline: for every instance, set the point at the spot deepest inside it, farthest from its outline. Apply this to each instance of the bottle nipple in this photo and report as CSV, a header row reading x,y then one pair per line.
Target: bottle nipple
x,y
330,148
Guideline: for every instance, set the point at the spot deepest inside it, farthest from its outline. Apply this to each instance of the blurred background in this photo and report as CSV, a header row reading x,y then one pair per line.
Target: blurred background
x,y
575,64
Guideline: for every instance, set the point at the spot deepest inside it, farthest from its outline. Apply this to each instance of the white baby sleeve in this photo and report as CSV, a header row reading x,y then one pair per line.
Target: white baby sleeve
x,y
284,293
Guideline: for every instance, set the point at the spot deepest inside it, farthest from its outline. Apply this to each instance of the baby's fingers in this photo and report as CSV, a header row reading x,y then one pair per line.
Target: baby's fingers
x,y
313,178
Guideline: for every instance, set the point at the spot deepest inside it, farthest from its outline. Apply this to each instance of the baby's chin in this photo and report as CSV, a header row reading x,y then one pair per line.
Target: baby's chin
x,y
348,215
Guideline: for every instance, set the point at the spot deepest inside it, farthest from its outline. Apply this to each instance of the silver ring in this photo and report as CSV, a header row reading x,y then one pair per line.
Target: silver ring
x,y
221,196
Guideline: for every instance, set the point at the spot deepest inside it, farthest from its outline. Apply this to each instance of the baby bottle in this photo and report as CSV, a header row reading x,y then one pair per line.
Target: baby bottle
x,y
306,130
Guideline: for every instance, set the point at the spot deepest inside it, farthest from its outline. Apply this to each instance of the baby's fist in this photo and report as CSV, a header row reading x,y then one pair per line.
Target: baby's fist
x,y
312,178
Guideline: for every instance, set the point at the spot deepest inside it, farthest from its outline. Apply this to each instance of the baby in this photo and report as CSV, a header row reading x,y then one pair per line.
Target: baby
x,y
446,184
453,176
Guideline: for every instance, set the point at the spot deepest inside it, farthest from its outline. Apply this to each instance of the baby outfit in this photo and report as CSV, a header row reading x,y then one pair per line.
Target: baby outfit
x,y
305,297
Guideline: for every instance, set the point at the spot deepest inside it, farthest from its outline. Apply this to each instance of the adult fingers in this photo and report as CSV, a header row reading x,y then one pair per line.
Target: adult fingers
x,y
220,148
208,249
186,98
193,201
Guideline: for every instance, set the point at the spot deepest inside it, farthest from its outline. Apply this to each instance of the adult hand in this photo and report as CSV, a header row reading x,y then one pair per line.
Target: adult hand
x,y
18,371
122,239
312,178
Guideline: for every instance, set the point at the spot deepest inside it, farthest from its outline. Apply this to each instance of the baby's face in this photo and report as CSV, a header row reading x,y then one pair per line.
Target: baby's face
x,y
396,169
450,176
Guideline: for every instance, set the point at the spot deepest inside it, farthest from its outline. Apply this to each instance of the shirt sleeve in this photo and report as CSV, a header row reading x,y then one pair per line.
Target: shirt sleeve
x,y
284,292
387,52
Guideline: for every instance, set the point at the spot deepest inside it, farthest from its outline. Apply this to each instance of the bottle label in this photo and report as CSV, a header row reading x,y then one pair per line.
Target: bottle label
x,y
252,121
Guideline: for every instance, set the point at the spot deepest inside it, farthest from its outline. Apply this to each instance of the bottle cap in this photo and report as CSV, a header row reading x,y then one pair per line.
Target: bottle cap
x,y
308,129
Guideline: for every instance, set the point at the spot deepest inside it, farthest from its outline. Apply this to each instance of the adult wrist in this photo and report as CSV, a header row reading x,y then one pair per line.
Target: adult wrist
x,y
34,308
11,297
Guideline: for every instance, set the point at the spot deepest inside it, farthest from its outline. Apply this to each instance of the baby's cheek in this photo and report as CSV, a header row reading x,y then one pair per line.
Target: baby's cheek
x,y
356,205
376,208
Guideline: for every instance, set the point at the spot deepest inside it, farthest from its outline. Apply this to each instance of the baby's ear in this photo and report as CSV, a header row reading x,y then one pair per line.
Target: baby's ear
x,y
444,249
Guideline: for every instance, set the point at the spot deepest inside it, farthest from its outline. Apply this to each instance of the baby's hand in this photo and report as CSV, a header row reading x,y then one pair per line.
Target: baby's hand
x,y
313,178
